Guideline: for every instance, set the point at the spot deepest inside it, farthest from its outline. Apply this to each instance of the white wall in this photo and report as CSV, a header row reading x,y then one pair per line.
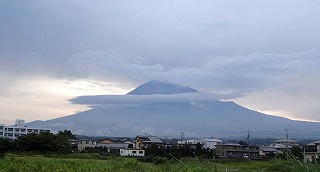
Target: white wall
x,y
132,152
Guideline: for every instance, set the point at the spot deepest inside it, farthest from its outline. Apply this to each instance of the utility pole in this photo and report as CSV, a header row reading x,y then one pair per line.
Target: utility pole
x,y
182,136
304,155
287,139
248,137
248,142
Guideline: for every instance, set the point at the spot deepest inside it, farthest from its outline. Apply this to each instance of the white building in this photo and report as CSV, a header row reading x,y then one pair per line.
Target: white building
x,y
211,143
84,143
132,152
2,130
284,143
206,143
19,129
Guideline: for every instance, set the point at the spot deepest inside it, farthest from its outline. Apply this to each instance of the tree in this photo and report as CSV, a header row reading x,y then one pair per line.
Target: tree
x,y
45,142
5,145
66,133
297,152
64,139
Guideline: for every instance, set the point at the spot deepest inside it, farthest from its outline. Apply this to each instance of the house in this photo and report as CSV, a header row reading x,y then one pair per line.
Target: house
x,y
211,143
231,150
267,151
73,144
206,143
19,129
285,143
192,143
312,153
146,141
172,143
110,145
132,152
130,144
84,143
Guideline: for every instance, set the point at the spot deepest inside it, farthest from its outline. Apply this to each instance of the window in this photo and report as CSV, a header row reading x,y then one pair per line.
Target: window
x,y
140,152
10,129
23,130
134,152
18,129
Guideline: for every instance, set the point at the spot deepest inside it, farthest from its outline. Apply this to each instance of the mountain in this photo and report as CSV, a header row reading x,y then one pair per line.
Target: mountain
x,y
133,114
158,87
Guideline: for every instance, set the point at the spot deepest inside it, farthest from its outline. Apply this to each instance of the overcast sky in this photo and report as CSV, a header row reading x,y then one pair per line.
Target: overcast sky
x,y
268,51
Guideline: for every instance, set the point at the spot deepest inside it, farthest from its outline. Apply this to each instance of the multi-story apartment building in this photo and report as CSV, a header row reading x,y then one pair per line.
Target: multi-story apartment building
x,y
19,129
231,150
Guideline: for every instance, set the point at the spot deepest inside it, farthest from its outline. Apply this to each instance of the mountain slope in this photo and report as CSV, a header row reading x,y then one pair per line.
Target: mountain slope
x,y
158,87
146,110
202,119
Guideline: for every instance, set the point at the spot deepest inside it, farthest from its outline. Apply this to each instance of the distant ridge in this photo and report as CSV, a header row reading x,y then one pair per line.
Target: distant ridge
x,y
158,87
169,115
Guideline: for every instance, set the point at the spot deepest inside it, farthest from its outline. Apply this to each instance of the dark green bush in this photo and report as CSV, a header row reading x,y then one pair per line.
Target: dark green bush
x,y
159,160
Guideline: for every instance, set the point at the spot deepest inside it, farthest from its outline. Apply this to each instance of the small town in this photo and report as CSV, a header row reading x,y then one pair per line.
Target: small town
x,y
147,148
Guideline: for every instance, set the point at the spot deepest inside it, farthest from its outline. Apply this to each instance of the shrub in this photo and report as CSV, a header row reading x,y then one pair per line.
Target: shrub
x,y
159,160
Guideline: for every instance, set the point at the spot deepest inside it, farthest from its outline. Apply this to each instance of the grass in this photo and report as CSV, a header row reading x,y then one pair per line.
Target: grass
x,y
94,163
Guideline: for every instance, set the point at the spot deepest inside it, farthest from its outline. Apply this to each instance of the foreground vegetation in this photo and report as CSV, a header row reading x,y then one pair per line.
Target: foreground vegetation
x,y
95,162
53,153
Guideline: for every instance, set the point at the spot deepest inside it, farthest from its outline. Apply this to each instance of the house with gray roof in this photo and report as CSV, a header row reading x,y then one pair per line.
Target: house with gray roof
x,y
146,141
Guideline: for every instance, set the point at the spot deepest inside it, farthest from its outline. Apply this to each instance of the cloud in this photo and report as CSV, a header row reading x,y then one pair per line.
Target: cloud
x,y
129,100
223,47
297,99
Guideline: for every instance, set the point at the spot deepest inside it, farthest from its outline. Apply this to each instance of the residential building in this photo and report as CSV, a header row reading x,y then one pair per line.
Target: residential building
x,y
206,143
110,145
19,129
173,143
2,130
211,143
286,143
146,141
231,150
267,151
314,154
192,143
130,144
84,143
132,152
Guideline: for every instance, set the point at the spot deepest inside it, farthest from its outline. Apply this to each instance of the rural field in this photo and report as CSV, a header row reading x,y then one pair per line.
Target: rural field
x,y
96,163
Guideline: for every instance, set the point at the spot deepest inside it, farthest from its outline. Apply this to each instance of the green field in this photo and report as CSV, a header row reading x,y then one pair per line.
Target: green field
x,y
95,163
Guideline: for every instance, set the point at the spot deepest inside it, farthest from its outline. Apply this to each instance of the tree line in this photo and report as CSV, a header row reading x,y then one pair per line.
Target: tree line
x,y
43,142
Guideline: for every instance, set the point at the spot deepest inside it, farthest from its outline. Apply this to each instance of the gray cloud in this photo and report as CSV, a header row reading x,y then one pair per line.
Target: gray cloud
x,y
214,46
136,100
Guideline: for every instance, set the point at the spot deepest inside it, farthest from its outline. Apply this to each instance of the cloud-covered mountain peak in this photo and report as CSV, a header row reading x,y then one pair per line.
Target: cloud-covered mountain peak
x,y
159,87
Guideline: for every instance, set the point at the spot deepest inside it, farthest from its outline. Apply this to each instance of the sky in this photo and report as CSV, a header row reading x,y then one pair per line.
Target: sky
x,y
266,52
